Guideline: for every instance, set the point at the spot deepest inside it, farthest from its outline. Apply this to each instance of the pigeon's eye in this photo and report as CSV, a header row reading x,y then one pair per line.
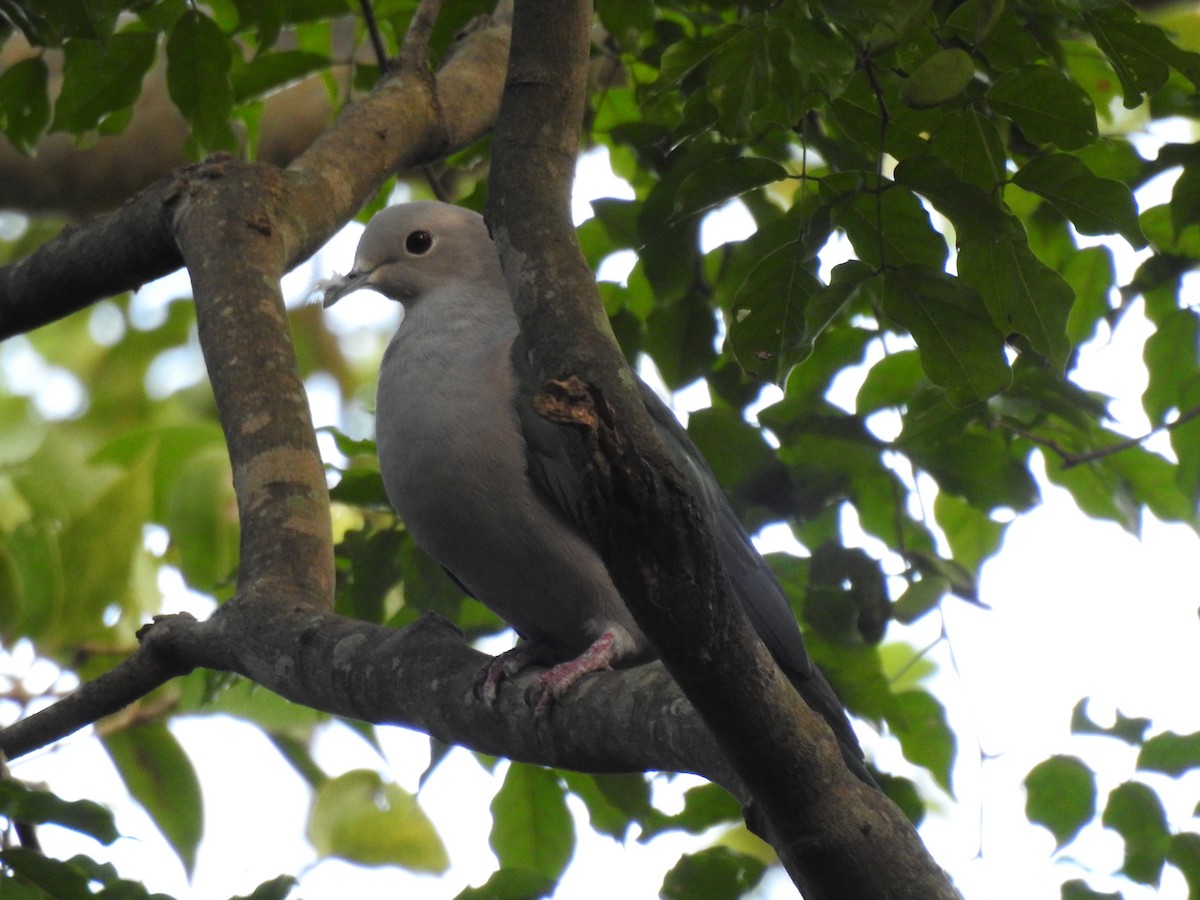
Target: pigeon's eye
x,y
418,243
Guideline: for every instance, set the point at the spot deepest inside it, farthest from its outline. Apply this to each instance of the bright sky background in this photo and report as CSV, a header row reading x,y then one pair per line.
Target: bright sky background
x,y
1078,609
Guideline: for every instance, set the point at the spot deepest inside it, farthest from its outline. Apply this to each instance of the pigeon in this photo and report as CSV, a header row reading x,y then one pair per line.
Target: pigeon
x,y
486,487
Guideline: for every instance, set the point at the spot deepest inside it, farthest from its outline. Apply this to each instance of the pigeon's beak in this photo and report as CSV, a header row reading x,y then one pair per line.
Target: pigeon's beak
x,y
339,286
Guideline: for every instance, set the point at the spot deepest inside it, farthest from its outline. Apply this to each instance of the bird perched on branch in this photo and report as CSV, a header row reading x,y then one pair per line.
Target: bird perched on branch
x,y
486,487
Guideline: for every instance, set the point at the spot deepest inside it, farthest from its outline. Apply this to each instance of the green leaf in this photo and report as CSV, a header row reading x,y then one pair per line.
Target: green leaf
x,y
890,382
1022,294
1135,812
615,803
717,873
1091,274
972,535
198,509
24,804
198,61
532,828
750,76
273,70
960,347
99,80
767,319
159,775
712,186
1061,795
1172,357
971,146
25,103
939,79
103,545
92,20
1139,53
361,818
278,888
1185,856
919,721
891,228
1185,199
1094,205
511,884
1047,106
1077,889
1170,753
976,215
703,807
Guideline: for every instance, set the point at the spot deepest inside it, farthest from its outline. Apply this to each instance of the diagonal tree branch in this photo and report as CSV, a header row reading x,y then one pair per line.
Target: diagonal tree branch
x,y
836,836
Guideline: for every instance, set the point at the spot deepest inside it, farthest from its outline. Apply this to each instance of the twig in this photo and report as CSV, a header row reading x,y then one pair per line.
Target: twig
x,y
376,38
414,53
152,665
1070,459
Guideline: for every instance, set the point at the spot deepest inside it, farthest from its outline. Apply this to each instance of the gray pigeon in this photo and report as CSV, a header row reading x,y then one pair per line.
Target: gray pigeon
x,y
485,485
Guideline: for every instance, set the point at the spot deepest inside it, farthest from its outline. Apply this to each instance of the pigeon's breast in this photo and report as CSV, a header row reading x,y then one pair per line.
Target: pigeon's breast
x,y
454,465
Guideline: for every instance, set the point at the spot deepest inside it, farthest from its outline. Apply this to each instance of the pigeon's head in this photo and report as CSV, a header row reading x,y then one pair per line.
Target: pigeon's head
x,y
410,249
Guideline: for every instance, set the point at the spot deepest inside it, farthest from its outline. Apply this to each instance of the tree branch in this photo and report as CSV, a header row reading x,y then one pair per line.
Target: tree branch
x,y
837,837
399,126
420,677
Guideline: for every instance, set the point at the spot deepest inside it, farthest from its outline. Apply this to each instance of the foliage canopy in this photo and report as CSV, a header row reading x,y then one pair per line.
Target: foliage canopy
x,y
924,179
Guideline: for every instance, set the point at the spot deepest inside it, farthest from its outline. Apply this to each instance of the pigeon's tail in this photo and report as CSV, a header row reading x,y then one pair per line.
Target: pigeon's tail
x,y
819,695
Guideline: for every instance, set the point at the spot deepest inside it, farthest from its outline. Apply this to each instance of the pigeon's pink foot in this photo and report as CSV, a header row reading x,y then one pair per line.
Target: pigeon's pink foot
x,y
554,682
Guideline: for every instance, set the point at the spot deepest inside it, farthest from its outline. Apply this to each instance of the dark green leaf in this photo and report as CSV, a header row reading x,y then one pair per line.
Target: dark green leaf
x,y
703,807
1140,53
511,884
1077,889
198,61
161,778
1170,753
1061,795
976,215
767,319
891,228
24,103
717,873
1185,199
615,803
971,146
277,888
1094,205
531,827
960,347
91,20
710,187
1048,106
273,70
1185,856
1022,294
20,803
1135,812
101,80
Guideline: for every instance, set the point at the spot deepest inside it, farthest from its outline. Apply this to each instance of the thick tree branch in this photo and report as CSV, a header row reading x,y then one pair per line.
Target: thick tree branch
x,y
420,677
837,837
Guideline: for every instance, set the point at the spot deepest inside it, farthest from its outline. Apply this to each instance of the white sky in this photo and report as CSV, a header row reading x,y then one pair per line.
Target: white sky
x,y
1078,608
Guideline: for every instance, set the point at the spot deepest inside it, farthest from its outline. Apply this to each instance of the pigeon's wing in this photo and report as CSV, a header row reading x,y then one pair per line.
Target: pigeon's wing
x,y
551,470
751,579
